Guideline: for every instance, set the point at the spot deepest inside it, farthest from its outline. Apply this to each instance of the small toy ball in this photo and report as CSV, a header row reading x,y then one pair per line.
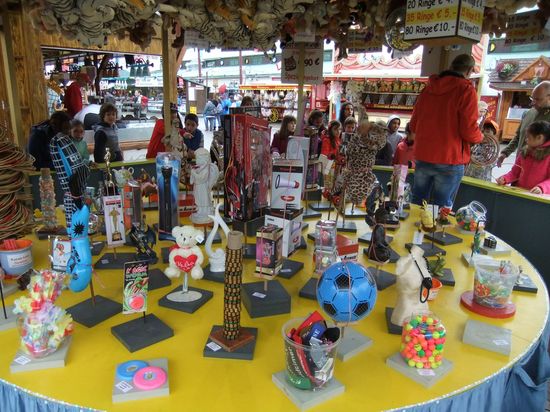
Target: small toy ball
x,y
137,302
151,377
126,371
345,287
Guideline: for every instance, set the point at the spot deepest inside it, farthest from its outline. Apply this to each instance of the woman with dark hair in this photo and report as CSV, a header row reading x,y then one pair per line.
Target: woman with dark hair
x,y
347,110
280,139
316,119
247,101
331,139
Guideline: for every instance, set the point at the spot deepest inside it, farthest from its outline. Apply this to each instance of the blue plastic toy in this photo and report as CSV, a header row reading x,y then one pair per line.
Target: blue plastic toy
x,y
79,265
346,291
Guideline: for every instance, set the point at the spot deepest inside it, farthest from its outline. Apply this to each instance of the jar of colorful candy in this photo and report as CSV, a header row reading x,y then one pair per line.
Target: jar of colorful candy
x,y
493,284
468,217
422,341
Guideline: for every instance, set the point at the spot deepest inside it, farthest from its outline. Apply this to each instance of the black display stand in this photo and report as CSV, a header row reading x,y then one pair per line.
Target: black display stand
x,y
322,206
245,352
213,276
348,227
249,250
394,256
392,328
187,307
89,314
354,213
303,243
383,279
429,249
448,239
309,290
108,260
448,278
403,215
142,332
259,302
525,284
250,227
309,213
97,247
43,233
290,268
157,279
368,236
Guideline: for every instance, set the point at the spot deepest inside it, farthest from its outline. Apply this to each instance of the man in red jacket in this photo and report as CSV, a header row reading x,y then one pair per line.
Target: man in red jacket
x,y
444,122
73,95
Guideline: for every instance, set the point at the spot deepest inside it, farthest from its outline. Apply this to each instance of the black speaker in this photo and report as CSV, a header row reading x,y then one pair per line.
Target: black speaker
x,y
129,59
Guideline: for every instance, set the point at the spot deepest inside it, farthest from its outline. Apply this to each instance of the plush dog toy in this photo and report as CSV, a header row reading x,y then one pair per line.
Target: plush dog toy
x,y
186,256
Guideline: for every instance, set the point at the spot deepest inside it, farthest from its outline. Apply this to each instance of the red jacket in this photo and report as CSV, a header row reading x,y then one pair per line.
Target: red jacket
x,y
532,168
326,148
155,145
445,120
73,99
404,154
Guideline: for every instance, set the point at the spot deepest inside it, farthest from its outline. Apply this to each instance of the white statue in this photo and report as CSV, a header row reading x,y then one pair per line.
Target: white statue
x,y
409,282
216,258
203,177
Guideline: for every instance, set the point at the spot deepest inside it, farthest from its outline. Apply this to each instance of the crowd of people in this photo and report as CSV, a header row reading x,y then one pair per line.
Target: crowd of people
x,y
445,123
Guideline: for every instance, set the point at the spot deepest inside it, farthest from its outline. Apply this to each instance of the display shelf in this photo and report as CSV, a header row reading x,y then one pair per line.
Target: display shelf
x,y
94,350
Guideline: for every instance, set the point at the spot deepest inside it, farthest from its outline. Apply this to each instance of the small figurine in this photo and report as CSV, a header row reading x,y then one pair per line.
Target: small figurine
x,y
412,276
436,266
143,238
186,257
216,258
203,177
379,250
427,218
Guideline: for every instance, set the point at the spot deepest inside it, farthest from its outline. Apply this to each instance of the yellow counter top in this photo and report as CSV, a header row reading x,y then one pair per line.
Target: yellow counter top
x,y
208,384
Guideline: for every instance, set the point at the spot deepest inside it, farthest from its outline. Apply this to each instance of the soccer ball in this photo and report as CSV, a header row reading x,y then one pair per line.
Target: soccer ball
x,y
346,291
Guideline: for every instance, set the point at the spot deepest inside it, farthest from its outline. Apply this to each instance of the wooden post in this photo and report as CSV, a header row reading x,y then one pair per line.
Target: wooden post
x,y
12,94
300,119
168,60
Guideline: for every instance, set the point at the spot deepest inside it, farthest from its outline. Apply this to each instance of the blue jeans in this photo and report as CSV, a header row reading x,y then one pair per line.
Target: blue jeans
x,y
439,179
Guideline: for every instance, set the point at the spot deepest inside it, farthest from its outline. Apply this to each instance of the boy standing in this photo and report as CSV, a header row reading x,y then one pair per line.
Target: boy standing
x,y
192,136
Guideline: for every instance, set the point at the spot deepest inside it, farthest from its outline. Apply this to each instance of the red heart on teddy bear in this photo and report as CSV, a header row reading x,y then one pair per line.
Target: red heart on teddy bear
x,y
185,263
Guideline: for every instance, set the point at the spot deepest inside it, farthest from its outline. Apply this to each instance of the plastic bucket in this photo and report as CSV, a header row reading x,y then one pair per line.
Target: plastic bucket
x,y
436,287
308,367
492,288
18,261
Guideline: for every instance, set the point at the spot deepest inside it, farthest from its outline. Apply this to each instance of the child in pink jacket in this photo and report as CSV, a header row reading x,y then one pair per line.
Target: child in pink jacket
x,y
532,168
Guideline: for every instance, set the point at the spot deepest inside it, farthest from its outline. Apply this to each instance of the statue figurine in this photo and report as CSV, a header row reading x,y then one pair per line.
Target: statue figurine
x,y
216,258
143,238
379,250
203,177
412,274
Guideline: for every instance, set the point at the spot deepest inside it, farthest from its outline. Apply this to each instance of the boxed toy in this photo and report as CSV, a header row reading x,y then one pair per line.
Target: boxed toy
x,y
269,247
168,176
347,248
291,223
287,183
298,149
247,151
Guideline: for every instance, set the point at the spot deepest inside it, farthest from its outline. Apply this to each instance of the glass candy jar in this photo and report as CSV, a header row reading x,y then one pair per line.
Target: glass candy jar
x,y
422,341
468,217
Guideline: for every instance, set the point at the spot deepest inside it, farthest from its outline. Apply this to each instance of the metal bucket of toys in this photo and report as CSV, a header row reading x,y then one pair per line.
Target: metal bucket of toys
x,y
16,257
310,351
493,284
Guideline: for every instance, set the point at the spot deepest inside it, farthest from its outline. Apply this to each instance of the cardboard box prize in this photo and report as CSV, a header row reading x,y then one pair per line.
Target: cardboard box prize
x,y
287,178
291,223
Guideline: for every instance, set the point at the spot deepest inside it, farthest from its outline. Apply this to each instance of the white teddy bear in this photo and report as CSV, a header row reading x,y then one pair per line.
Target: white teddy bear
x,y
187,256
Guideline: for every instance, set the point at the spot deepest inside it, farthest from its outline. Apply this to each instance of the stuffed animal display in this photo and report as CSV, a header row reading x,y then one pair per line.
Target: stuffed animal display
x,y
186,256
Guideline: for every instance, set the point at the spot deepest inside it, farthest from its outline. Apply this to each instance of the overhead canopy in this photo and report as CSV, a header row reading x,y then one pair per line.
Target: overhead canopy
x,y
234,25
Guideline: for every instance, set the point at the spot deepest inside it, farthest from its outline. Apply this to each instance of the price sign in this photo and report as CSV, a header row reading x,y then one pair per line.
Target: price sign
x,y
524,28
312,63
438,19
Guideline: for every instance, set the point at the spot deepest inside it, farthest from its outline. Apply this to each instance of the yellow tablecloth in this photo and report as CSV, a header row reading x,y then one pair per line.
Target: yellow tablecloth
x,y
207,384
